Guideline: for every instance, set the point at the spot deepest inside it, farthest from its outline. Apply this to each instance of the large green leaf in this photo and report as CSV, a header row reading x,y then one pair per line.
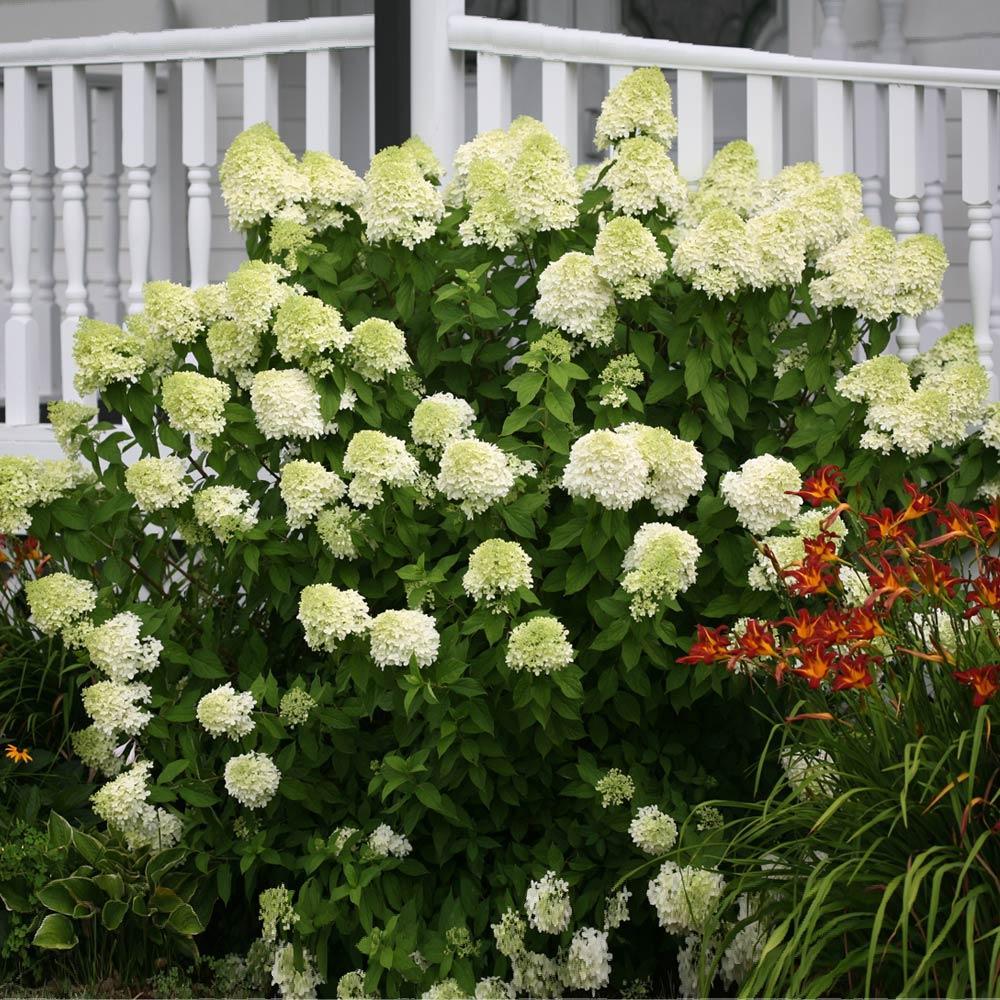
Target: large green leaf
x,y
56,932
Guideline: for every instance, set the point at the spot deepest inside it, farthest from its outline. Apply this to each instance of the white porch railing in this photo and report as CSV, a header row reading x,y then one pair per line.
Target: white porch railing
x,y
78,112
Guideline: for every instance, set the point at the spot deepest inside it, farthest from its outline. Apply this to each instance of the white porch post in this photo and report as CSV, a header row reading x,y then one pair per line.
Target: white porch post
x,y
437,78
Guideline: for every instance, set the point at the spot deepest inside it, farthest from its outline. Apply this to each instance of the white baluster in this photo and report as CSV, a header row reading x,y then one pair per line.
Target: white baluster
x,y
832,39
995,244
934,159
892,44
104,176
616,74
764,115
560,110
371,109
323,101
139,157
199,131
71,143
44,307
978,188
834,126
696,124
870,146
492,91
906,184
20,330
260,90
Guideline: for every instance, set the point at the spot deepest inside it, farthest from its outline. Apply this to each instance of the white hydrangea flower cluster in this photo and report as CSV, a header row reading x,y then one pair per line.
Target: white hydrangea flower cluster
x,y
615,788
574,297
384,842
378,349
439,419
540,646
104,354
547,904
744,950
335,528
194,404
227,712
295,980
295,707
717,257
477,474
26,482
60,604
351,986
225,511
642,179
653,831
950,394
69,421
307,488
617,468
252,779
616,908
171,311
376,460
254,291
496,570
286,404
329,615
123,804
684,898
158,483
259,177
97,750
588,961
619,375
731,181
399,636
810,773
627,257
116,649
878,277
333,186
494,988
116,708
640,104
399,203
234,350
760,491
307,330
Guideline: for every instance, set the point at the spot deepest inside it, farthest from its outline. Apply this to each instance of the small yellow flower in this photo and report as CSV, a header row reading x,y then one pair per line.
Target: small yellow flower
x,y
18,756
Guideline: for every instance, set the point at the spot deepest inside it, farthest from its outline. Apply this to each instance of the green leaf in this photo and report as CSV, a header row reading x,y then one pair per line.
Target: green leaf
x,y
113,913
185,921
55,932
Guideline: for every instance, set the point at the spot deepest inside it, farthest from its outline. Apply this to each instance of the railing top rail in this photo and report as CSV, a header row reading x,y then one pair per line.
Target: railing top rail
x,y
535,41
174,44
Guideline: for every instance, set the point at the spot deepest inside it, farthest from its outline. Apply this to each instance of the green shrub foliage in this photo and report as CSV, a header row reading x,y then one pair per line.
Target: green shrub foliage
x,y
408,775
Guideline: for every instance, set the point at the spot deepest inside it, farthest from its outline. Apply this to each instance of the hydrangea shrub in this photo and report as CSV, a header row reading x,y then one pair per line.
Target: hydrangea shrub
x,y
384,578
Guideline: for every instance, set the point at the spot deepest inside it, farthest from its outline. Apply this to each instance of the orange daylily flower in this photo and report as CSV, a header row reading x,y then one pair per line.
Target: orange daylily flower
x,y
886,526
853,672
984,681
885,581
823,486
806,629
756,641
935,576
815,666
959,522
17,756
809,579
711,646
988,522
920,504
